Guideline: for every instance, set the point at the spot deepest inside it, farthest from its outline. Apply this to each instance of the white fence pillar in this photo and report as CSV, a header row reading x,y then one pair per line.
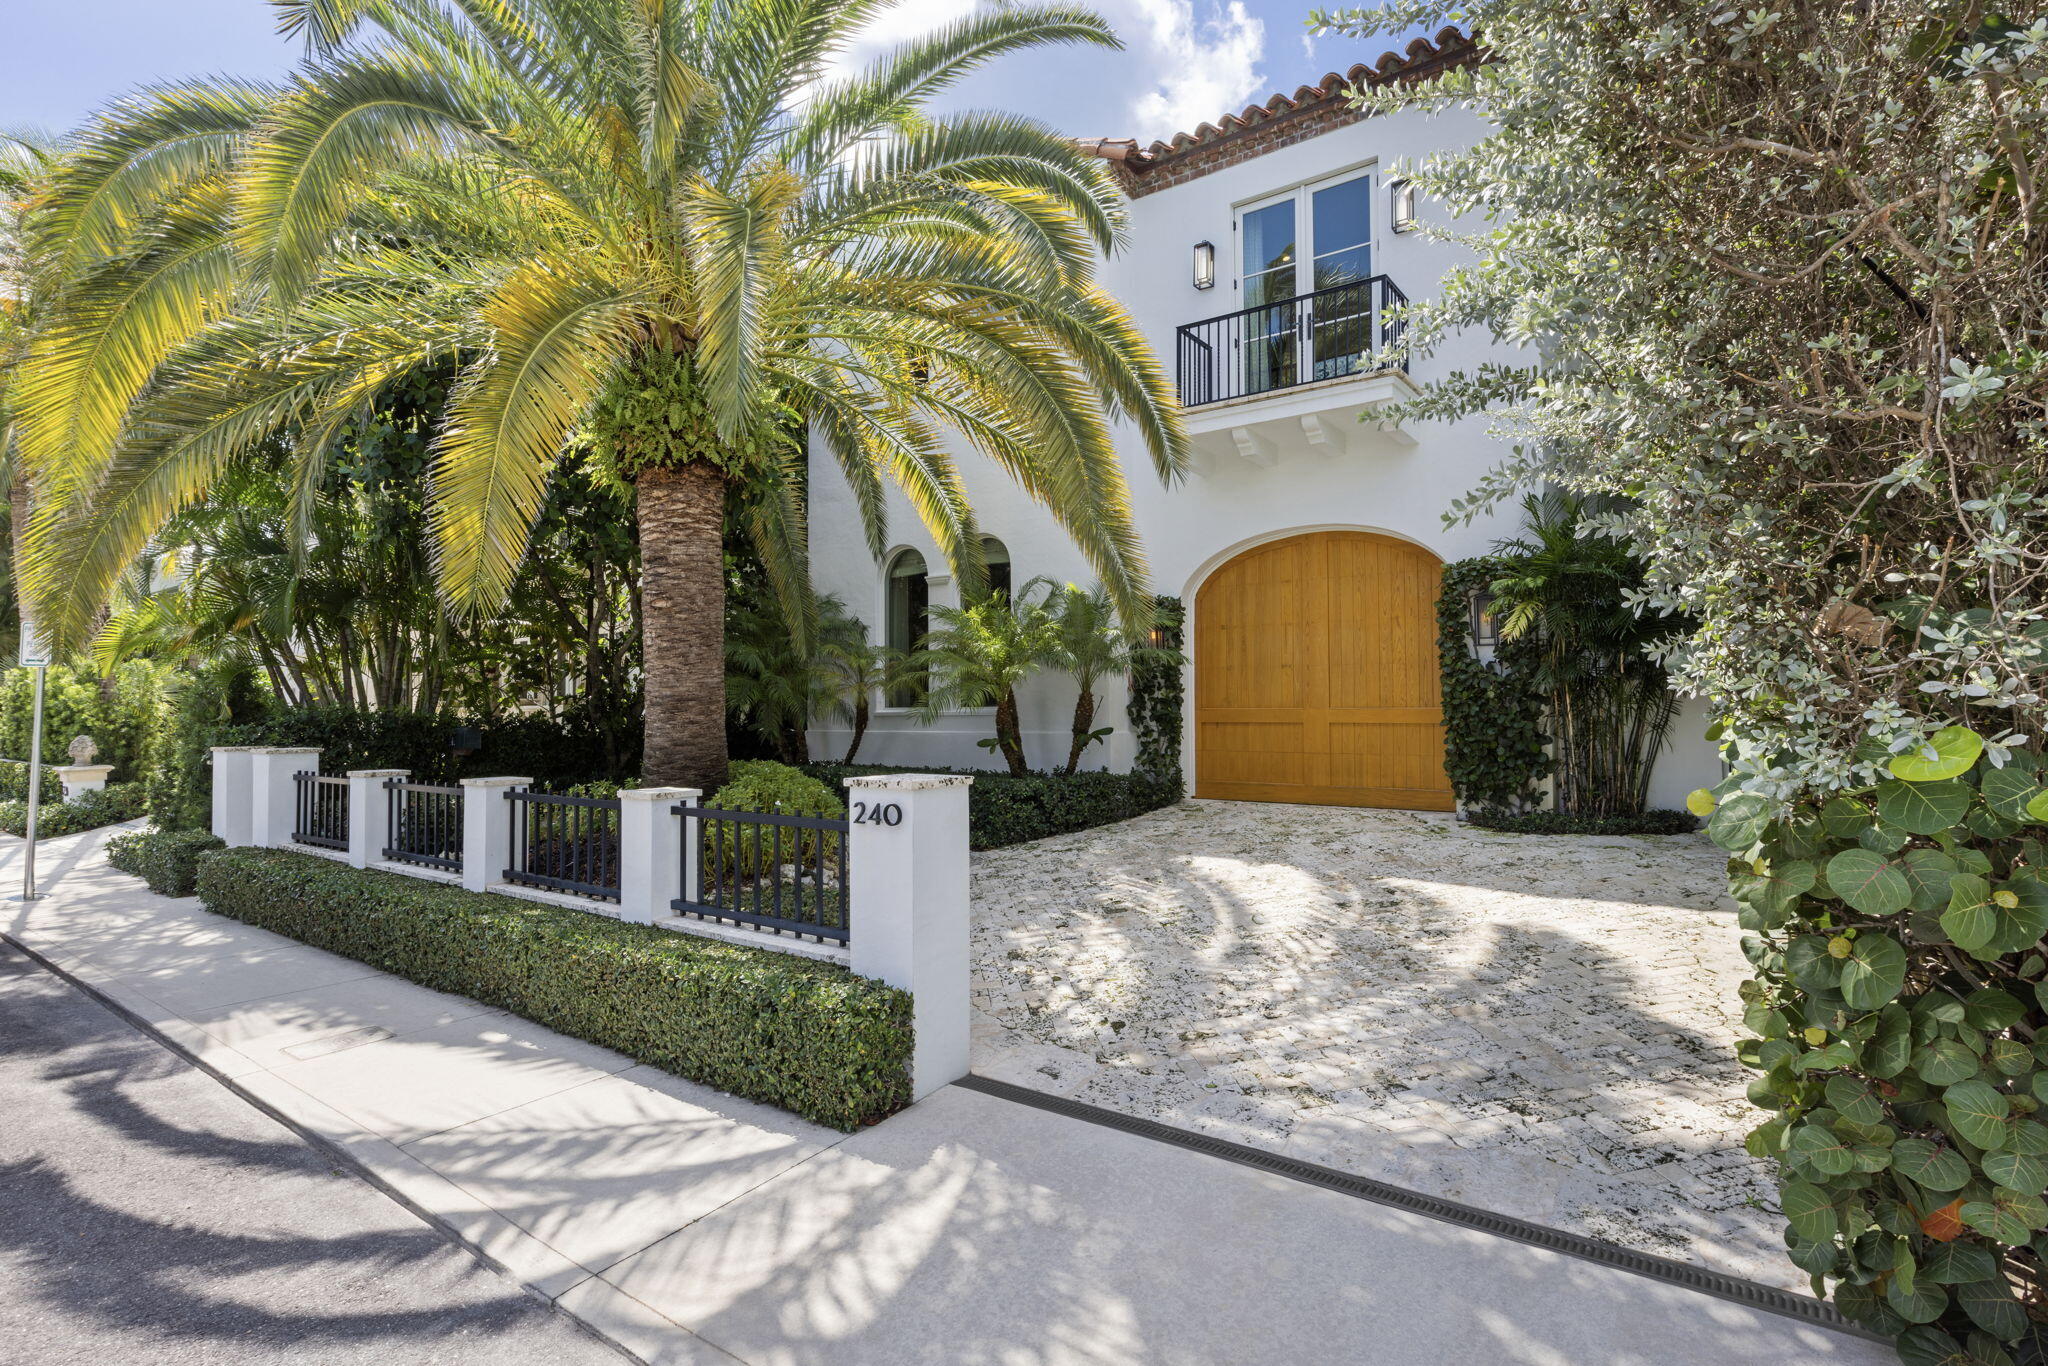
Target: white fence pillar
x,y
907,860
77,778
486,830
273,794
369,814
234,788
651,851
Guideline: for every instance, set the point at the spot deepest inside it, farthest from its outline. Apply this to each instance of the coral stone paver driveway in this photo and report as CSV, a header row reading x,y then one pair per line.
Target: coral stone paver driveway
x,y
1541,1026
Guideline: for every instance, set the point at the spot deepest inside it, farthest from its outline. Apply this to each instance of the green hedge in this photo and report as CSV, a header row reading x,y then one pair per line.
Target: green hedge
x,y
168,860
1004,808
805,1035
553,753
14,781
111,805
1559,823
121,712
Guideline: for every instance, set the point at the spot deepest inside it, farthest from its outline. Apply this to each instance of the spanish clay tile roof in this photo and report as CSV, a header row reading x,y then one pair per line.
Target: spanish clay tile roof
x,y
1422,61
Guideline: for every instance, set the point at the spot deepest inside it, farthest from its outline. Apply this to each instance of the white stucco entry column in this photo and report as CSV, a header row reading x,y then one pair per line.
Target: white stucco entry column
x,y
907,860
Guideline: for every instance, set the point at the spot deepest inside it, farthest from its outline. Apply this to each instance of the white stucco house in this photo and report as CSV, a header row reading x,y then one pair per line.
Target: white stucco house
x,y
1306,545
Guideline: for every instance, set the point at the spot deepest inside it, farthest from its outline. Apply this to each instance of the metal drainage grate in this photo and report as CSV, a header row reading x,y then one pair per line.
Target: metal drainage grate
x,y
1769,1298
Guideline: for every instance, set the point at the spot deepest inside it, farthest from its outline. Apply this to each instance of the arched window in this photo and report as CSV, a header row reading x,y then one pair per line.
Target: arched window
x,y
908,616
996,556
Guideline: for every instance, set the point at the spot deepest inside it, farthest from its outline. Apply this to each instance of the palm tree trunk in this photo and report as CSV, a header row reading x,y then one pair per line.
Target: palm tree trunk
x,y
1084,721
682,626
1009,736
860,726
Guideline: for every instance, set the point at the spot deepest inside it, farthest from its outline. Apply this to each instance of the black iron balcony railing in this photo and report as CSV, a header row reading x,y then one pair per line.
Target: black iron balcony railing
x,y
1351,329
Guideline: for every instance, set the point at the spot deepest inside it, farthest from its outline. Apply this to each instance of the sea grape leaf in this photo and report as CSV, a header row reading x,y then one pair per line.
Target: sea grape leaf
x,y
1950,752
1924,808
1870,882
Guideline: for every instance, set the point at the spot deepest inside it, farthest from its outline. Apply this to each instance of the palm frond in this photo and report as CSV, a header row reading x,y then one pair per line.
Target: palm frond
x,y
557,332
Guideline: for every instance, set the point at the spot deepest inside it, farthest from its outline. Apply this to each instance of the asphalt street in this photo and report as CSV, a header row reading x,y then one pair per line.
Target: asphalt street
x,y
150,1216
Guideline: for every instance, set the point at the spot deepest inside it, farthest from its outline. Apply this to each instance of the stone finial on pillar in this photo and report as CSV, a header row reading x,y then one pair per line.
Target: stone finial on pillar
x,y
907,861
486,830
651,851
369,814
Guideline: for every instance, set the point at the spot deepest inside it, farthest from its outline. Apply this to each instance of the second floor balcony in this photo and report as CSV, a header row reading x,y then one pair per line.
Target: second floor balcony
x,y
1345,330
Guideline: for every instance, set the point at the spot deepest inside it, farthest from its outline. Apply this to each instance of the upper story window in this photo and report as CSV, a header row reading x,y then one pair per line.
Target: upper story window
x,y
907,616
1311,309
1316,236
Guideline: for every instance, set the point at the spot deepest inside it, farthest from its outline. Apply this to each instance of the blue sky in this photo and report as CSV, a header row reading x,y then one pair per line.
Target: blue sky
x,y
1184,60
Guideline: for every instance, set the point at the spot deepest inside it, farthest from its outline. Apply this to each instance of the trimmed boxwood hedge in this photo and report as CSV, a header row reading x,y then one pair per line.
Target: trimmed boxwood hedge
x,y
1005,808
805,1035
110,805
168,860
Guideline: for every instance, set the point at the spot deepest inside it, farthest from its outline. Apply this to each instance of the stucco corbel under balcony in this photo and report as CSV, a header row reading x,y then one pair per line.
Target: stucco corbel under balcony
x,y
1328,417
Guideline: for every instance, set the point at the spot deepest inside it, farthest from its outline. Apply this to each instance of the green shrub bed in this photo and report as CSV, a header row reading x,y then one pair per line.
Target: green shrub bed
x,y
808,1036
1558,823
14,782
111,805
1004,808
168,860
1900,939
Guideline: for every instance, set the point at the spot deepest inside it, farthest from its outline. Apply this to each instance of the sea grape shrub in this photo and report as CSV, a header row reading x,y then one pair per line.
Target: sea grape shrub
x,y
1896,933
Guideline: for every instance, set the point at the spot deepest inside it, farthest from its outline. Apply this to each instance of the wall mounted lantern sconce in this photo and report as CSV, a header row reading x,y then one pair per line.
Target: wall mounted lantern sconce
x,y
1401,205
1485,626
1205,265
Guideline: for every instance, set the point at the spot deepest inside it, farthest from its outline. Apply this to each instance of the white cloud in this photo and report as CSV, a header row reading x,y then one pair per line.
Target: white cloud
x,y
896,24
1193,68
1185,62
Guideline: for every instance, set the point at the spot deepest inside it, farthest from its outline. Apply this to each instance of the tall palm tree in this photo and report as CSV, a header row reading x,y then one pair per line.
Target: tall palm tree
x,y
666,223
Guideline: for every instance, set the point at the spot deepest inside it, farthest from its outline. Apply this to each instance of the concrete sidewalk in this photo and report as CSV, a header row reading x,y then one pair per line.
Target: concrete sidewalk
x,y
691,1227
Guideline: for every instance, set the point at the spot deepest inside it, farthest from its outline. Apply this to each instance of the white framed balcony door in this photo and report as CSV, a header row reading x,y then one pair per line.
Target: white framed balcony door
x,y
1291,247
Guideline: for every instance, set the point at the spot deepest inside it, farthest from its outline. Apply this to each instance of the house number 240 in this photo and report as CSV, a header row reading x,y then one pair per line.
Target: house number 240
x,y
877,813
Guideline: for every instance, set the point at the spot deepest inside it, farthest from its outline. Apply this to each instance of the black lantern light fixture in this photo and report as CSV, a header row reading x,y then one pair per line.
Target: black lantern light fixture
x,y
1205,265
1485,626
1401,205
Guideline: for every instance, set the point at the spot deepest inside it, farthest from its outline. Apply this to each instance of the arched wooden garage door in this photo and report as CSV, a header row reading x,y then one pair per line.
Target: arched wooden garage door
x,y
1316,675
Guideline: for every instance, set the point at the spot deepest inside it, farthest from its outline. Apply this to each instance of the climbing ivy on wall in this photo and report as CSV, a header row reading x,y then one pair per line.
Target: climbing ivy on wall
x,y
1158,694
1493,714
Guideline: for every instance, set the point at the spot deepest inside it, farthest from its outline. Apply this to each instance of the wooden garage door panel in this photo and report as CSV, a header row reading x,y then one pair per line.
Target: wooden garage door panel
x,y
1400,756
1316,675
1257,655
1379,591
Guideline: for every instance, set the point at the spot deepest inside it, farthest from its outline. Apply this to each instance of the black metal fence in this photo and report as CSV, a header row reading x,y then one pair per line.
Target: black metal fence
x,y
565,844
767,871
425,822
320,811
1348,329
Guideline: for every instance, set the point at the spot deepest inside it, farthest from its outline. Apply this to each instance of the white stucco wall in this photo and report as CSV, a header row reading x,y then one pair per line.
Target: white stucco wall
x,y
1394,485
